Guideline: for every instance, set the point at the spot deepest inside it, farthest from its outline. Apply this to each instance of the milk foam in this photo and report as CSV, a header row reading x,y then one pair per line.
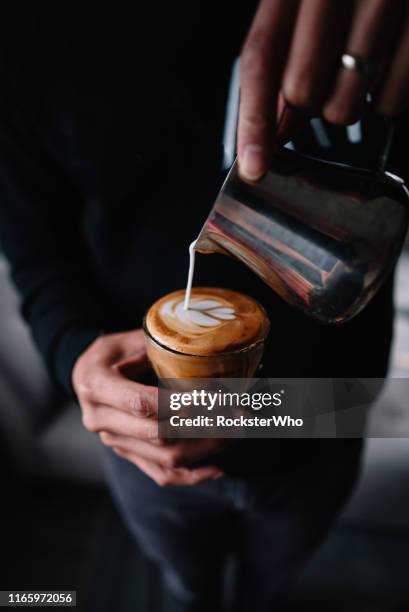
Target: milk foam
x,y
196,311
201,312
217,321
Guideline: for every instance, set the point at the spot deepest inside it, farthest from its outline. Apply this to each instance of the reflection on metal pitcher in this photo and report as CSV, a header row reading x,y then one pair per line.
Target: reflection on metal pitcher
x,y
323,235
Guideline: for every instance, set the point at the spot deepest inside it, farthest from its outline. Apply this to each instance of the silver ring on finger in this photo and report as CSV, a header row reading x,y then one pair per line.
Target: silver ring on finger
x,y
358,63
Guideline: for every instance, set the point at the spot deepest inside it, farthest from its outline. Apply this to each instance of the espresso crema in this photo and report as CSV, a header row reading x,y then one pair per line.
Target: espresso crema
x,y
217,321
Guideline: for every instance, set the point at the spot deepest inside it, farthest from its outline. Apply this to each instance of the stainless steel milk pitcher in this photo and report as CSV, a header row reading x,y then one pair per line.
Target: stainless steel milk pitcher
x,y
323,235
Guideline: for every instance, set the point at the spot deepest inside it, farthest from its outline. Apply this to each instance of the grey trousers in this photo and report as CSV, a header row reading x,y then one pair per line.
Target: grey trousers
x,y
273,523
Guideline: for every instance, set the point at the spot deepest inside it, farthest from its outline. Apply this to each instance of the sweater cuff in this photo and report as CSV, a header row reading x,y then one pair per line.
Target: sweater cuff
x,y
70,345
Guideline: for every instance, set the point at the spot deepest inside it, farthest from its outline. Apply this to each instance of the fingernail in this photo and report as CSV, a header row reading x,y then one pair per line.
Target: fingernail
x,y
252,162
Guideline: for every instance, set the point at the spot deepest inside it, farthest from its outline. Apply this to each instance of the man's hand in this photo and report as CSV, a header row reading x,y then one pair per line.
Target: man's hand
x,y
293,51
124,413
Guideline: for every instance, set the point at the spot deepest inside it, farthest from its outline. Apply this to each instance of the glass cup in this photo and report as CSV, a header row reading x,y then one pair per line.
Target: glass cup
x,y
168,363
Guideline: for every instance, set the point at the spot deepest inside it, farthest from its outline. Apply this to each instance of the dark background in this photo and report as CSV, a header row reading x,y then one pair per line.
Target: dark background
x,y
60,530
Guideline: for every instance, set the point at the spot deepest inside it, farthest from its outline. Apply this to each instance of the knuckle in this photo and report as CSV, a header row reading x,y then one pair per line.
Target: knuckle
x,y
174,458
89,420
255,120
254,58
140,405
106,438
152,431
163,480
161,442
168,461
300,92
195,478
99,350
85,388
100,343
339,115
96,345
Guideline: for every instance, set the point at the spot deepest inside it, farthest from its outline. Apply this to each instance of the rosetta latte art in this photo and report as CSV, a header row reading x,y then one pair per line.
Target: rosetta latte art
x,y
217,321
201,313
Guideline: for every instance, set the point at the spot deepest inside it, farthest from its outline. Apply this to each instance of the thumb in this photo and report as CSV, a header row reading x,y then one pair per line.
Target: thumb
x,y
134,363
134,367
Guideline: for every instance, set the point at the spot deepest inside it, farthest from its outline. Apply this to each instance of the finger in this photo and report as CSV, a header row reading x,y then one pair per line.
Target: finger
x,y
318,39
108,386
134,367
181,453
371,20
104,418
133,361
290,120
395,95
261,64
151,452
171,477
111,349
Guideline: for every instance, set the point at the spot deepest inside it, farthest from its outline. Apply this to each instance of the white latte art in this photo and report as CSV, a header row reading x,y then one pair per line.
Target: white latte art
x,y
217,321
201,312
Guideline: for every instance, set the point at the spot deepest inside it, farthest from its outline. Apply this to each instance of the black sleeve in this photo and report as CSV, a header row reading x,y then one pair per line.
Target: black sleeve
x,y
40,234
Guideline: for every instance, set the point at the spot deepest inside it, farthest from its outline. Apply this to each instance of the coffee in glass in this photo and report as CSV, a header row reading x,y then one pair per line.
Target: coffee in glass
x,y
220,334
